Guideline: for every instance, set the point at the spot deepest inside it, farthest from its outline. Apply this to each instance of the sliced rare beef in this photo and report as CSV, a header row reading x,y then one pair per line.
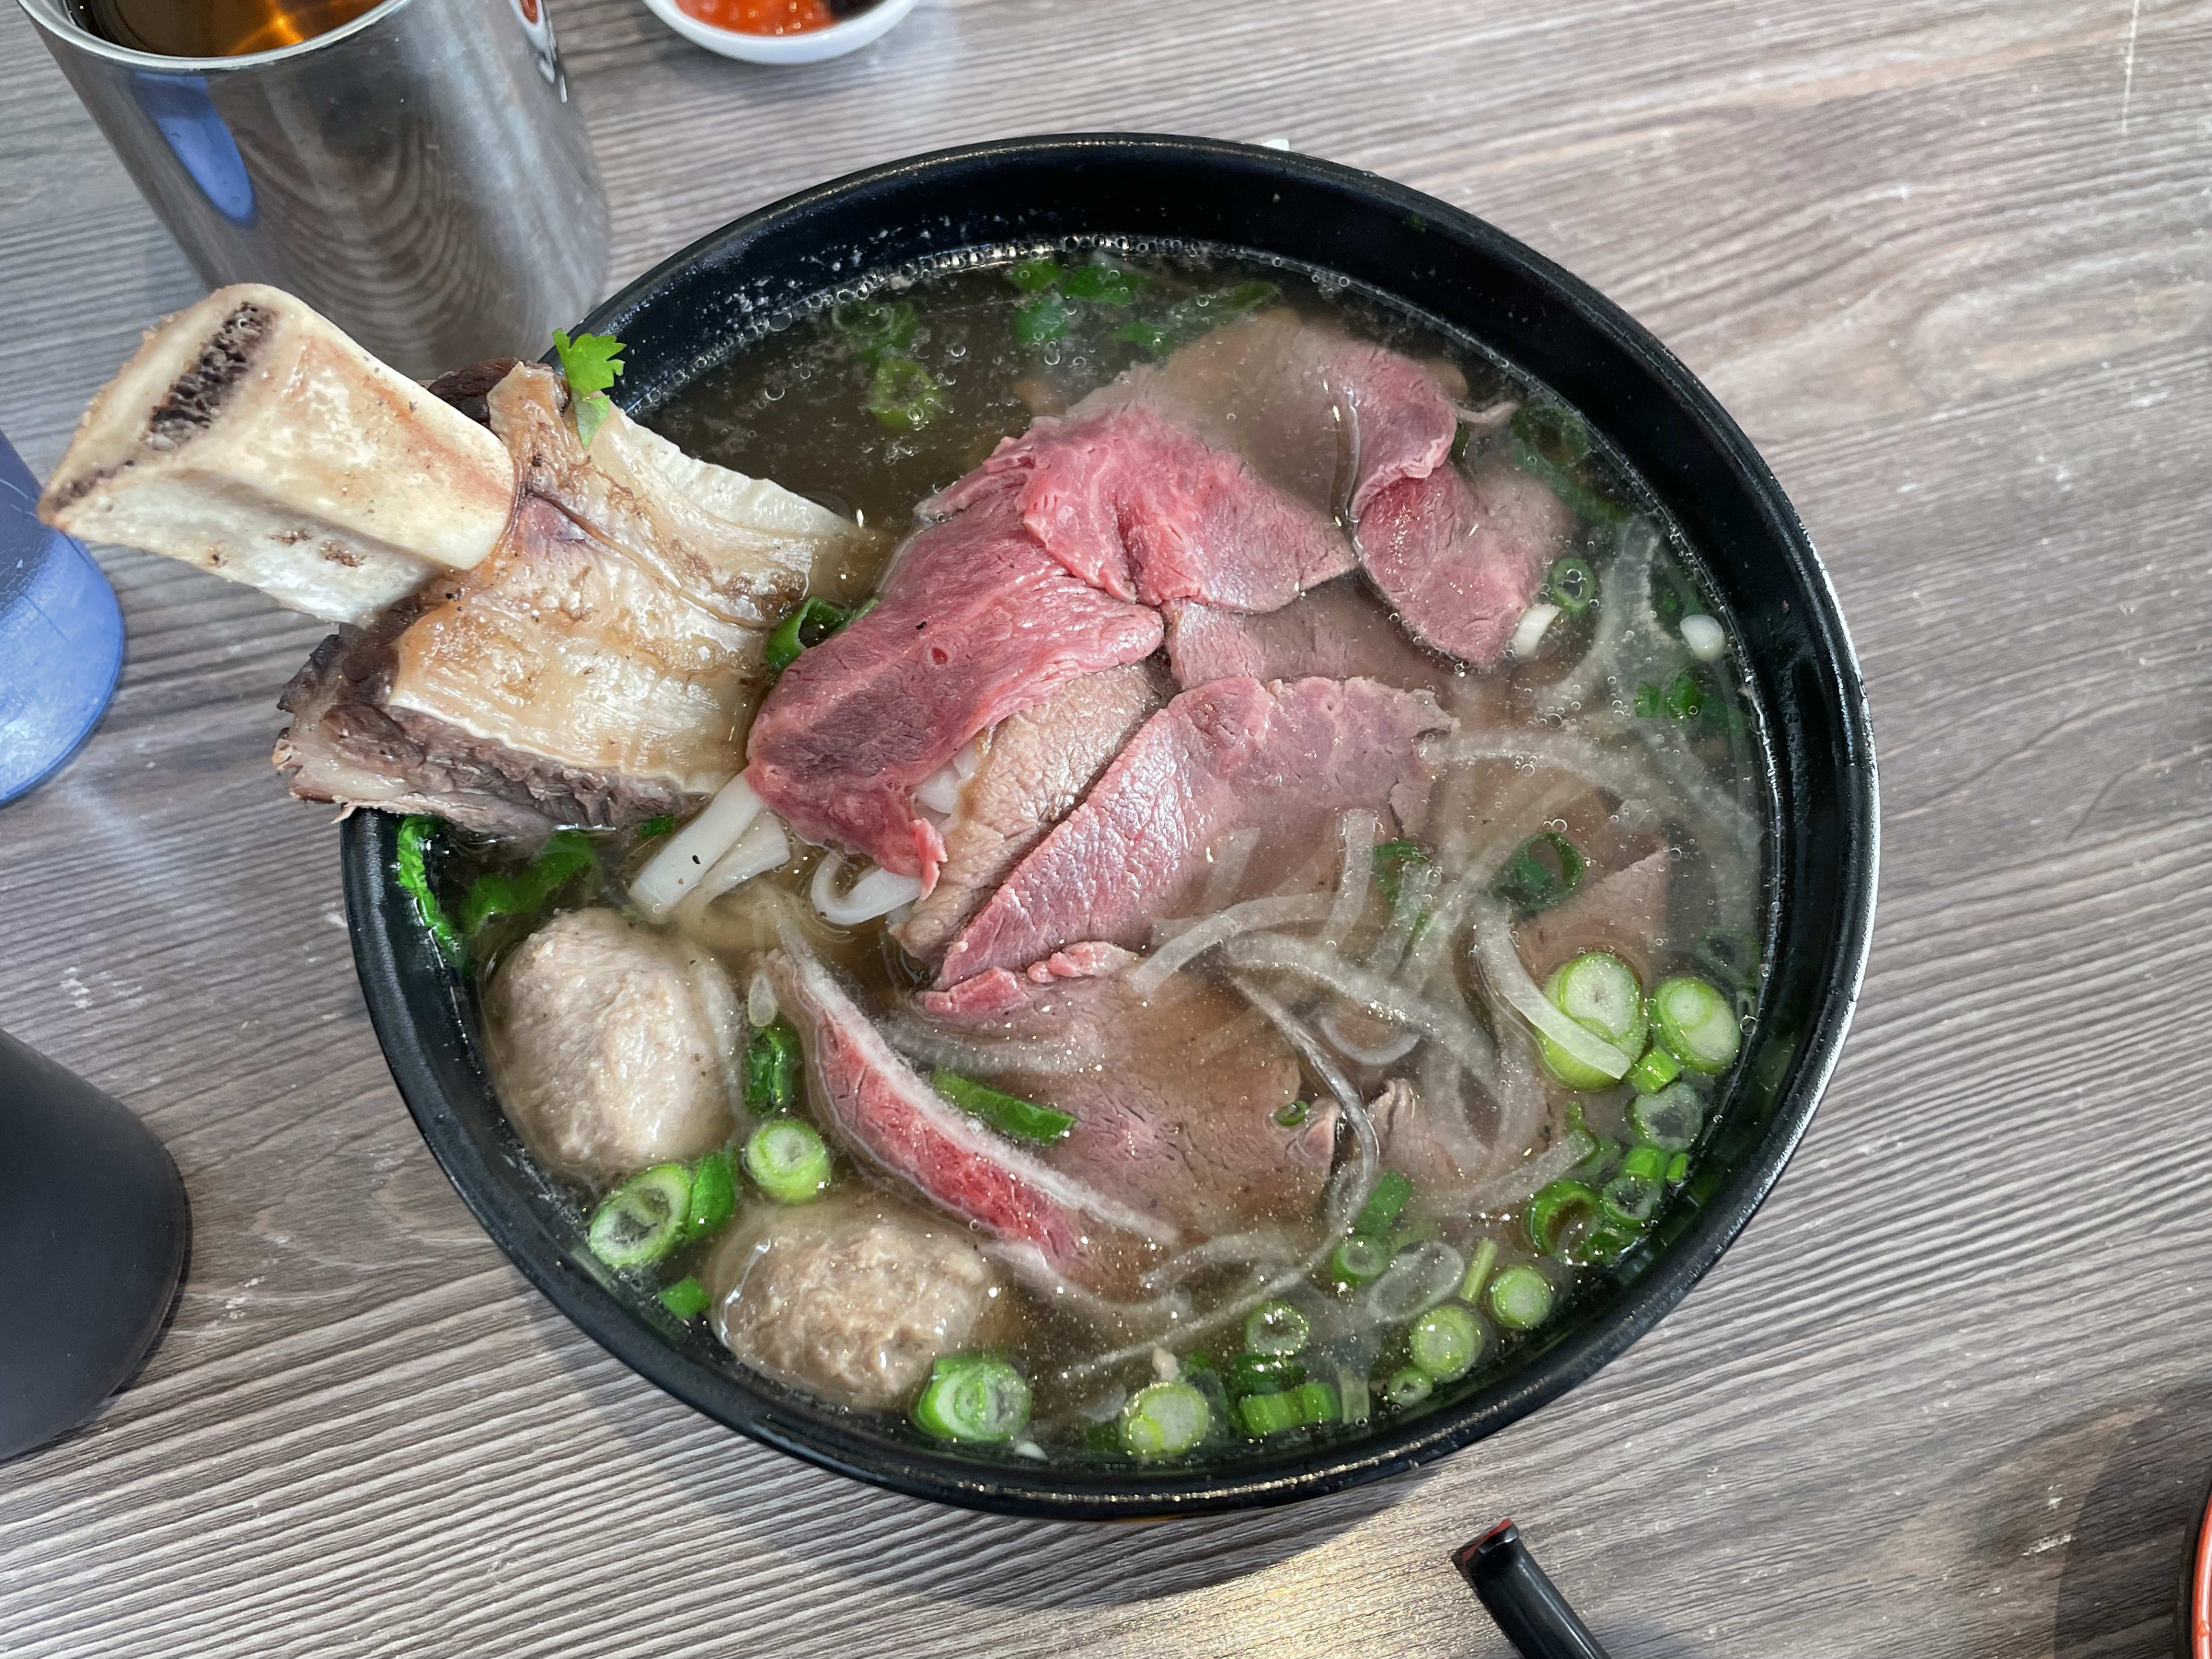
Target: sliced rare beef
x,y
975,622
1143,509
1329,420
595,667
1035,766
1461,559
1177,1120
1282,759
1338,631
1049,1223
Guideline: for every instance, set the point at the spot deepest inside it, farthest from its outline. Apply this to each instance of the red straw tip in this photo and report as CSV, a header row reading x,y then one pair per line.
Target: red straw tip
x,y
1464,1557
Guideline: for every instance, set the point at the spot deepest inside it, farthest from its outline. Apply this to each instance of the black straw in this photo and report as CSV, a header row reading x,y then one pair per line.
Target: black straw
x,y
1527,1605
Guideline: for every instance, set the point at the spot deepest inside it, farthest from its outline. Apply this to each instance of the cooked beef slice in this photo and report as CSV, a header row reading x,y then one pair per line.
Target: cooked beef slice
x,y
1142,510
1177,1120
1624,911
1461,559
1047,1224
614,1046
1338,631
1282,758
975,622
1035,766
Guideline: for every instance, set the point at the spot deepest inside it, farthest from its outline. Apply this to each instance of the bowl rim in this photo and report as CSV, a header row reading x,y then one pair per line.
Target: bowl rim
x,y
414,1022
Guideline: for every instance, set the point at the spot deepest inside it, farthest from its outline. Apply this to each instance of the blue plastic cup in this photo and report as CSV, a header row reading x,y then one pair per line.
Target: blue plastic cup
x,y
61,637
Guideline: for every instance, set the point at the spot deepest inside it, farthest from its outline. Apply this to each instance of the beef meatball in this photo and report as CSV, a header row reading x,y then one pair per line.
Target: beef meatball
x,y
850,1297
615,1046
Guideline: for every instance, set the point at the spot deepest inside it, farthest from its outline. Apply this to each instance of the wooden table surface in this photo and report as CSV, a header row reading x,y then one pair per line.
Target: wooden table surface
x,y
1946,260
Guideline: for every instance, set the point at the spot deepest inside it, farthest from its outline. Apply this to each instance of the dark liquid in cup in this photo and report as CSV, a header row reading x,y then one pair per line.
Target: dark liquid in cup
x,y
215,28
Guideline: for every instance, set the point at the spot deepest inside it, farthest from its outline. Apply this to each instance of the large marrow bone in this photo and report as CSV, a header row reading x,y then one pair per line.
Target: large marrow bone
x,y
250,437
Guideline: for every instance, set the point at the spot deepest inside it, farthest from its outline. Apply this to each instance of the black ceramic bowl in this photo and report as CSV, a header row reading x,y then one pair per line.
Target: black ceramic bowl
x,y
1420,254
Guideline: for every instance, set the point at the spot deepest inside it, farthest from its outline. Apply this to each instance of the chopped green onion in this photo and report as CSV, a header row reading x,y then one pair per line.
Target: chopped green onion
x,y
1520,1298
1598,991
413,872
1359,1260
1444,1342
904,396
869,328
643,1219
1462,436
655,827
1009,1114
1276,1328
1727,957
1650,703
1316,1403
1648,1163
1042,318
1199,313
1407,1387
1686,698
1572,585
772,1069
1551,444
1478,1271
1670,1119
1698,1024
1154,337
787,1160
977,1397
1557,1214
1269,1414
713,1196
686,1298
1654,1072
1389,861
1033,276
1103,285
1292,1116
1381,1210
568,854
1678,1169
815,621
1164,1420
1265,1373
1544,869
1631,1200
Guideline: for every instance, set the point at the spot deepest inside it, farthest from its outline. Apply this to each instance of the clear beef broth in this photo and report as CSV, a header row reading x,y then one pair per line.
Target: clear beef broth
x,y
1620,740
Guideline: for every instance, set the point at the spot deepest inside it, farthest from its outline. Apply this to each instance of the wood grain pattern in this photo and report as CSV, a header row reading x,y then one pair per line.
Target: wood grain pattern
x,y
1949,264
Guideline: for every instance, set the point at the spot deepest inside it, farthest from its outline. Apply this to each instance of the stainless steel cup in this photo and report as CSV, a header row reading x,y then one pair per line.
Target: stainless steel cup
x,y
420,175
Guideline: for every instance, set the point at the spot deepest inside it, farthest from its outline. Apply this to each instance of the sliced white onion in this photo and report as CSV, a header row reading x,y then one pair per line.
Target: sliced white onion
x,y
1703,637
1396,1048
1528,637
1229,861
1200,937
760,1001
759,850
876,894
1501,967
1360,828
1453,1027
676,868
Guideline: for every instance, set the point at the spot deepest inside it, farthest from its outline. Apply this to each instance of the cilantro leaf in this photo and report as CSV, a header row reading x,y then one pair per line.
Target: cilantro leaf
x,y
591,363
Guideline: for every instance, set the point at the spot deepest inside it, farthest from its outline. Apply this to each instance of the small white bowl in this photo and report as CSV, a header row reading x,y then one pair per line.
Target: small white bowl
x,y
810,47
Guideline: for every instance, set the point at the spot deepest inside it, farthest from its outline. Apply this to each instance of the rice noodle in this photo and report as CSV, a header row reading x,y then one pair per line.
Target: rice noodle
x,y
941,791
1267,1247
1201,936
1228,872
1501,967
1630,581
1417,885
934,1046
877,893
1279,953
1331,1027
759,850
1360,828
675,870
